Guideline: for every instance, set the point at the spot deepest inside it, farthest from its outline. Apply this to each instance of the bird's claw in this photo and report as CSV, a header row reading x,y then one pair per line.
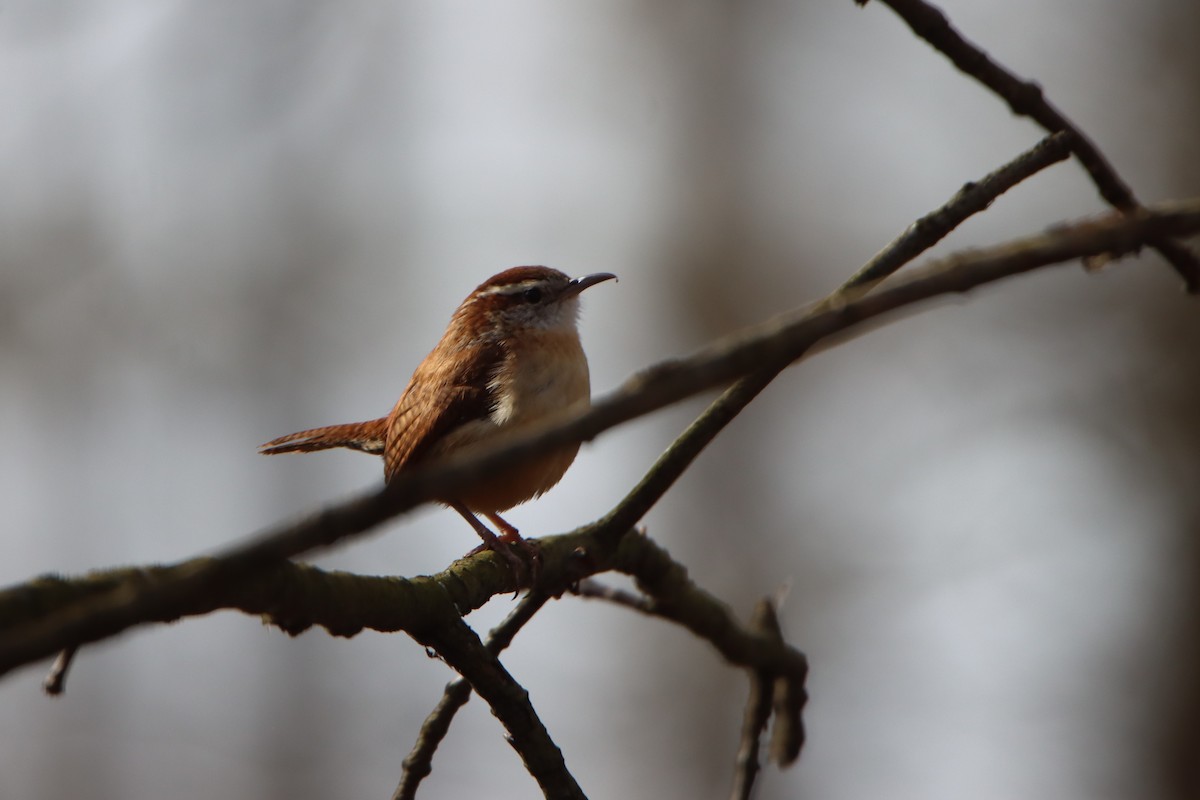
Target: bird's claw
x,y
526,573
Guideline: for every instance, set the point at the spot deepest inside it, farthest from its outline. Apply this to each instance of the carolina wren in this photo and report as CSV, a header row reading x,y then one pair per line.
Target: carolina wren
x,y
510,357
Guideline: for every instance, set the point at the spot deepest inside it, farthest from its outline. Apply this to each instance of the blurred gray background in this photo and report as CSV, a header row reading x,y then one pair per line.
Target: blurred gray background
x,y
224,221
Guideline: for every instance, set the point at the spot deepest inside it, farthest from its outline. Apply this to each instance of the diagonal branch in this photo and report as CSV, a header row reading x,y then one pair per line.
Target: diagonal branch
x,y
971,199
455,642
919,237
28,637
418,763
1026,99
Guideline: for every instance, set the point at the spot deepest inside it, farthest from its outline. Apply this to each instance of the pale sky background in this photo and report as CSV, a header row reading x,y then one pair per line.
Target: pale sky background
x,y
224,221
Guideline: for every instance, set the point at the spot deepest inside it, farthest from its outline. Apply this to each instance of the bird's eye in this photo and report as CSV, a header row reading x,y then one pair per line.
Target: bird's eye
x,y
533,295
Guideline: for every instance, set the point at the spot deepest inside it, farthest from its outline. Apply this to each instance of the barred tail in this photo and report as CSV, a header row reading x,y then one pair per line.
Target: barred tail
x,y
364,436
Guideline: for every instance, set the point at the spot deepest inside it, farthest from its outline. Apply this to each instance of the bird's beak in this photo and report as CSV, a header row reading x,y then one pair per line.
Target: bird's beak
x,y
577,285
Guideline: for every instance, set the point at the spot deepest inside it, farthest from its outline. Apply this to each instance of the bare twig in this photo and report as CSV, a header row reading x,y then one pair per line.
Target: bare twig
x,y
418,763
595,590
767,346
55,682
754,722
971,199
1026,99
758,708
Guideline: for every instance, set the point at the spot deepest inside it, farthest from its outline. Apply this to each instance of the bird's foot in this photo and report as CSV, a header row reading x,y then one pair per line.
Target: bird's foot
x,y
505,545
526,570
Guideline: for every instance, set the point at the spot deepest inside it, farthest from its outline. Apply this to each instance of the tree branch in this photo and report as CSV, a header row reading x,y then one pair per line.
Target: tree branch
x,y
971,199
32,632
758,708
454,640
297,596
1026,99
419,762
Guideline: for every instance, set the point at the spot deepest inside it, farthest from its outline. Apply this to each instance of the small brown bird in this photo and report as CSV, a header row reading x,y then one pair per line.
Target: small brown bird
x,y
510,357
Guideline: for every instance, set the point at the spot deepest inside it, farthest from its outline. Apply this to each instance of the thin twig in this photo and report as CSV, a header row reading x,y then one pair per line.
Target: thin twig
x,y
971,199
754,722
595,590
758,708
1026,99
767,346
418,763
55,682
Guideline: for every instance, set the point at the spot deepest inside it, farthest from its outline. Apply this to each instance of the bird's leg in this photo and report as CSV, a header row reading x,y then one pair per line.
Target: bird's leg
x,y
510,535
507,532
497,544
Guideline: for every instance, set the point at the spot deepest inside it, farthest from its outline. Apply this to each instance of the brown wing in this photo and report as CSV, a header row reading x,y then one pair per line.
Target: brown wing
x,y
445,392
365,436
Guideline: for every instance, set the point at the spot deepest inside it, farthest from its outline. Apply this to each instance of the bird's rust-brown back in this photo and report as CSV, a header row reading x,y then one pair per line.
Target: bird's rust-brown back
x,y
449,389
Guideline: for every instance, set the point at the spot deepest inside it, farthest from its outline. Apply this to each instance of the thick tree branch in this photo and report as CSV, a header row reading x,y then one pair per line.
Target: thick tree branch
x,y
1026,99
32,633
297,596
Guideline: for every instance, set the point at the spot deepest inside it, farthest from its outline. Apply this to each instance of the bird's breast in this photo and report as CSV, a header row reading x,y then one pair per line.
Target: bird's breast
x,y
543,374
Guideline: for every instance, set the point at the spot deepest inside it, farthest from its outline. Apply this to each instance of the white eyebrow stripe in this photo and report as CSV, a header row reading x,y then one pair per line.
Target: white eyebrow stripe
x,y
514,288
